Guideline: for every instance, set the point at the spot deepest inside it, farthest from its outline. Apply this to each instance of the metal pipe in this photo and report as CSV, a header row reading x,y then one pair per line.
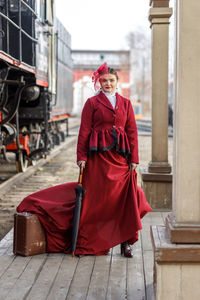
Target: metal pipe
x,y
12,82
17,128
5,154
17,100
20,32
55,102
7,29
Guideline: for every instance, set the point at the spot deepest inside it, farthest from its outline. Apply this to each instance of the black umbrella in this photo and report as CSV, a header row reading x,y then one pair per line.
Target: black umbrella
x,y
77,210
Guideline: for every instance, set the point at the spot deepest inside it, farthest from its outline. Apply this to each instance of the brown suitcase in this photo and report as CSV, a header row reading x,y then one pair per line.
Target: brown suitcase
x,y
29,235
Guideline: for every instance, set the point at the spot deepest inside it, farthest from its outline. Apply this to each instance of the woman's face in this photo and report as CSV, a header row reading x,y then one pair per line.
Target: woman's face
x,y
108,82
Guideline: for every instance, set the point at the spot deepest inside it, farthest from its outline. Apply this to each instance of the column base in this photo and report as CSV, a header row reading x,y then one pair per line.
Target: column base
x,y
176,267
182,233
159,167
158,189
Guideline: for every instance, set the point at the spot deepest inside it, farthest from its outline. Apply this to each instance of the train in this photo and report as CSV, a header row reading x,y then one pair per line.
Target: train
x,y
36,80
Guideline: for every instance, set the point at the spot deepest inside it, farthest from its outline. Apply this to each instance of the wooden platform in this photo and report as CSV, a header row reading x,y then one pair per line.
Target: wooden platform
x,y
57,276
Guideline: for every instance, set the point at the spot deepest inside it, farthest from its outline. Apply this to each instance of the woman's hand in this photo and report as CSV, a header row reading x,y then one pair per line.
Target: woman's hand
x,y
132,166
81,164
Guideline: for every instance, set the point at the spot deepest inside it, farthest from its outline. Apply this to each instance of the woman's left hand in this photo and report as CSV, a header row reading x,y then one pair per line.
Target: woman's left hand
x,y
132,166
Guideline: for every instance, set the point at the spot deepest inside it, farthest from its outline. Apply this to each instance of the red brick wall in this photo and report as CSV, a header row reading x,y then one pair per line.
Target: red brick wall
x,y
124,77
80,74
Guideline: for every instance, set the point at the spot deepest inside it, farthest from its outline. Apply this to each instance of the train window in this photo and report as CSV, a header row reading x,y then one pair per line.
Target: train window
x,y
24,7
18,29
40,9
13,11
2,3
32,4
27,24
43,10
49,11
26,19
13,6
13,41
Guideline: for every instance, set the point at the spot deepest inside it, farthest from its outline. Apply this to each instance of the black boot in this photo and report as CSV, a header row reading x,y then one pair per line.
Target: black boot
x,y
126,250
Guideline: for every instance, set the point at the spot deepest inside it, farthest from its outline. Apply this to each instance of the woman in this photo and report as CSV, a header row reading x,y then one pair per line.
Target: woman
x,y
107,149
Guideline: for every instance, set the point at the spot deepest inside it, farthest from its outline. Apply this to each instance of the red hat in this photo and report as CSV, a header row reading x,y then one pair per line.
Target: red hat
x,y
103,69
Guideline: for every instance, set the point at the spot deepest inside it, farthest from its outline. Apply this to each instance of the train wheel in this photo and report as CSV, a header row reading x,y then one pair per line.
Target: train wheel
x,y
62,134
51,142
21,162
32,162
57,139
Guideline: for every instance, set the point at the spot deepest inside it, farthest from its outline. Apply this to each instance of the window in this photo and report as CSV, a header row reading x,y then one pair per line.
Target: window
x,y
40,9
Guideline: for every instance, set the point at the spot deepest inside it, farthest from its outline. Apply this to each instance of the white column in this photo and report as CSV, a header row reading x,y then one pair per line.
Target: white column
x,y
177,256
159,16
186,183
157,178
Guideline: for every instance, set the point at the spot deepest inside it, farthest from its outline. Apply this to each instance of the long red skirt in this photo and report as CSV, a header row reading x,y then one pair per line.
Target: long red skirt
x,y
111,208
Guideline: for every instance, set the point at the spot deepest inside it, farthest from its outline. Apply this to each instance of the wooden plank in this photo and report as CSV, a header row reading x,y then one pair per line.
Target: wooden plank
x,y
5,262
146,240
118,275
182,234
8,237
11,275
164,216
6,257
81,280
163,236
6,242
89,276
148,262
46,277
63,278
24,283
155,237
135,274
148,270
99,280
152,218
166,243
9,251
165,251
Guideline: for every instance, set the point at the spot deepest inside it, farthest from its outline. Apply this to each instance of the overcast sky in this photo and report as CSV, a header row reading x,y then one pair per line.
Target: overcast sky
x,y
102,24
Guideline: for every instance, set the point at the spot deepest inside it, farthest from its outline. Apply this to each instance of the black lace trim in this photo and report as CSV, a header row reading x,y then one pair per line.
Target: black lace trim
x,y
121,151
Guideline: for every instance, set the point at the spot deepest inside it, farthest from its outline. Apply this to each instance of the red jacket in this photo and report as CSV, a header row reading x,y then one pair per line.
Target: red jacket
x,y
103,128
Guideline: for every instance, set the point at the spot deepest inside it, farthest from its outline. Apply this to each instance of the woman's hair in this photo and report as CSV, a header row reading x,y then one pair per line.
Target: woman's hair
x,y
112,71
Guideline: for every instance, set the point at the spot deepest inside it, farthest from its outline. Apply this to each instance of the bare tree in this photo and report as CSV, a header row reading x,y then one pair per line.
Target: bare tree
x,y
140,64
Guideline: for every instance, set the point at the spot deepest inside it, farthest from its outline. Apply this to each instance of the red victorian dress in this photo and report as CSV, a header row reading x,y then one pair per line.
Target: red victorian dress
x,y
113,204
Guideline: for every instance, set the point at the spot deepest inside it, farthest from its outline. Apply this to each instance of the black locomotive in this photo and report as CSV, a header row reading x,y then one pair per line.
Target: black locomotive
x,y
36,79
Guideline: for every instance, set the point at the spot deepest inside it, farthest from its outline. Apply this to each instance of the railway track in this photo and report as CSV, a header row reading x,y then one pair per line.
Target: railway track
x,y
145,128
59,167
8,168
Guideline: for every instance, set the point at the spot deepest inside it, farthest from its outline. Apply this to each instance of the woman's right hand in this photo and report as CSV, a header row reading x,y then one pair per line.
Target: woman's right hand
x,y
81,164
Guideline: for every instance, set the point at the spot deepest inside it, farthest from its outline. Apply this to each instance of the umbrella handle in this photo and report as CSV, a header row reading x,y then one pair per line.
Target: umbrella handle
x,y
80,176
